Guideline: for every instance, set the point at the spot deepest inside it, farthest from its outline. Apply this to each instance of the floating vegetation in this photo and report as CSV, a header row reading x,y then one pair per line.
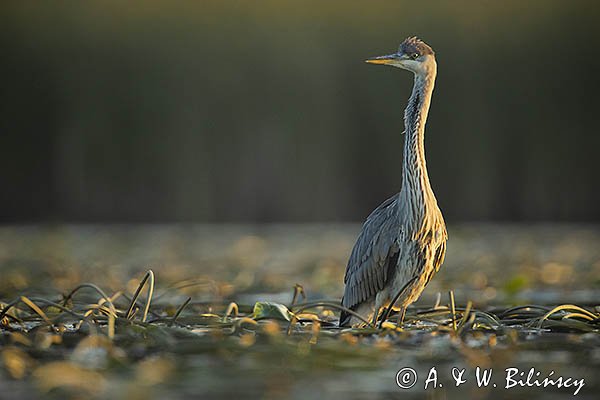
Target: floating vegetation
x,y
78,342
81,318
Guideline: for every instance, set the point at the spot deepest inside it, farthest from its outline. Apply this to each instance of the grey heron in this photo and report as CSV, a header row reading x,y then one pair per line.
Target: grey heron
x,y
403,241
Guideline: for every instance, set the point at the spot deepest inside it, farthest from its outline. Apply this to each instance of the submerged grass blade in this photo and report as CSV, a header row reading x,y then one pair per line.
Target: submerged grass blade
x,y
578,315
453,309
35,308
566,307
302,307
180,310
298,290
112,314
93,287
148,277
231,308
465,317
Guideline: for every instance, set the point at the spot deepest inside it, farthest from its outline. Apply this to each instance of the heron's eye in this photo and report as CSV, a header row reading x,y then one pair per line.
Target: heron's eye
x,y
414,56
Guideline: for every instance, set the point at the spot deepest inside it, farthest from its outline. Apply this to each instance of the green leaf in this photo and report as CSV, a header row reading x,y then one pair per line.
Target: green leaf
x,y
263,310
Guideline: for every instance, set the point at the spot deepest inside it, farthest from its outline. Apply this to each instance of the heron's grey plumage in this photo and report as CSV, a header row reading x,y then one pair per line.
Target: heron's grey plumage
x,y
405,236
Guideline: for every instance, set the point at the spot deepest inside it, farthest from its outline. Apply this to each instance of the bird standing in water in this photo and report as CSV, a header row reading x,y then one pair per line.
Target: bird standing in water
x,y
403,242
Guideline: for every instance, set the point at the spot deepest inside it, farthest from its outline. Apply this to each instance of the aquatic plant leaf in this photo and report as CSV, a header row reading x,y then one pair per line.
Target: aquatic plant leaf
x,y
263,310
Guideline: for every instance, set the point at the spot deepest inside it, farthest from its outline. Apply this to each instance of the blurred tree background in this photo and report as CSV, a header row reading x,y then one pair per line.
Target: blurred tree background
x,y
265,111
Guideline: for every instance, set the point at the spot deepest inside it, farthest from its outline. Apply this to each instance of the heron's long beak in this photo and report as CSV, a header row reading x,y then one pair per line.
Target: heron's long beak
x,y
387,59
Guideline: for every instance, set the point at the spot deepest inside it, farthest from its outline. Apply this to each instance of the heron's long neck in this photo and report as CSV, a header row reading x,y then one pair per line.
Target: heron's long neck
x,y
416,194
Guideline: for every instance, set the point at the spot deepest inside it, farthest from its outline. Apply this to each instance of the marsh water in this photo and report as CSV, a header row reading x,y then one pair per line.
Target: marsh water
x,y
495,267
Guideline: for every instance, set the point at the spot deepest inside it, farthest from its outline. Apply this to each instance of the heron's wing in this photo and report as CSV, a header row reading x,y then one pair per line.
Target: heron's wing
x,y
440,253
375,250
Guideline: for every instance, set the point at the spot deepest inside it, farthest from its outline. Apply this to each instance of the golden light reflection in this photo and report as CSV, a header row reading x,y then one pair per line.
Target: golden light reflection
x,y
554,273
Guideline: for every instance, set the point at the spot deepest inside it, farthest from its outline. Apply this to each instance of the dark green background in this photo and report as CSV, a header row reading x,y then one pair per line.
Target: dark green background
x,y
265,111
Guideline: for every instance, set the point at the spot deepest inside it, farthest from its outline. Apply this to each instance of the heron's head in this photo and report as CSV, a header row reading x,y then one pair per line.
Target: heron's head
x,y
413,55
